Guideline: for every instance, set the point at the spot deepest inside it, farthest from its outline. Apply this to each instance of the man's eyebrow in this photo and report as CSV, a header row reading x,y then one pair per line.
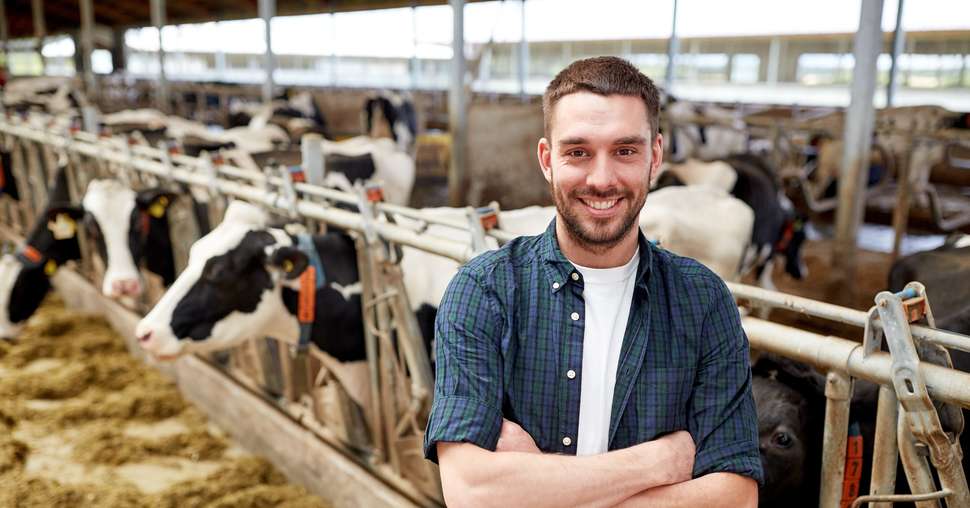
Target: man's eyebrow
x,y
631,140
573,141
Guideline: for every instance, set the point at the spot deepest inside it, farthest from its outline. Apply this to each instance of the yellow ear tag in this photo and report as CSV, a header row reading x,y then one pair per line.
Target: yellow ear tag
x,y
62,227
157,209
287,266
50,267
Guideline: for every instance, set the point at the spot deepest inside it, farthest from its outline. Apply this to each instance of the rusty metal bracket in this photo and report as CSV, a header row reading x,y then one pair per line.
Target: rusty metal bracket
x,y
895,311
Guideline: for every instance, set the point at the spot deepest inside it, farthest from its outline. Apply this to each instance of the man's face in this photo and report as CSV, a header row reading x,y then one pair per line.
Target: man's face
x,y
599,162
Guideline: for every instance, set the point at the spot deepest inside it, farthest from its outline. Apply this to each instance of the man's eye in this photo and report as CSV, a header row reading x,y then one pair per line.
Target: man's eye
x,y
626,152
576,153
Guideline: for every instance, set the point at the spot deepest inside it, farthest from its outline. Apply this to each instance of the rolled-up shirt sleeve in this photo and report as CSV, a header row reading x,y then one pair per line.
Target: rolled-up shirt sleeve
x,y
468,367
723,421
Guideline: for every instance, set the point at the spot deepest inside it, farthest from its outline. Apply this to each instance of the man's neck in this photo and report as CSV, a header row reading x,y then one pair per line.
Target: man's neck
x,y
592,257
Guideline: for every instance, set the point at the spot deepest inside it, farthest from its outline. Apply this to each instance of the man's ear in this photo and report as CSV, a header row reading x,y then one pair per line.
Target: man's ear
x,y
289,260
657,157
544,154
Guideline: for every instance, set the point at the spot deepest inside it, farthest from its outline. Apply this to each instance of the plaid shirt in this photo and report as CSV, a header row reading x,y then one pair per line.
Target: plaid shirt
x,y
509,344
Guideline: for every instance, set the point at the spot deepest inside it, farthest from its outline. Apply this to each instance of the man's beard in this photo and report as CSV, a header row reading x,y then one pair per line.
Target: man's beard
x,y
597,235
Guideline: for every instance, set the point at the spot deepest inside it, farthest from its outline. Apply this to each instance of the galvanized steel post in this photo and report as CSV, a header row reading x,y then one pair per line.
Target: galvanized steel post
x,y
859,120
523,57
899,40
457,107
885,453
4,33
673,47
40,30
838,394
87,45
158,21
267,9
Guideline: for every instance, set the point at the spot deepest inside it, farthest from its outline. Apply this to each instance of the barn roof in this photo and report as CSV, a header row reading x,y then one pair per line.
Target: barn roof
x,y
64,16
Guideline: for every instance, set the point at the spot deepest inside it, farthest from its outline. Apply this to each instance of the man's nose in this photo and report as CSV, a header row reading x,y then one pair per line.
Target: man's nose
x,y
603,174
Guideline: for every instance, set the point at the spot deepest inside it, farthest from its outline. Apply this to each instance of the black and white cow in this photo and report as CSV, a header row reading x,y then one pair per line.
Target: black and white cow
x,y
390,114
236,285
241,282
25,275
128,228
777,229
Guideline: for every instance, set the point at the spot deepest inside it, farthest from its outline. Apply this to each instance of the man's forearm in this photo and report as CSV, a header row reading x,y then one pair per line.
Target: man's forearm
x,y
714,490
472,476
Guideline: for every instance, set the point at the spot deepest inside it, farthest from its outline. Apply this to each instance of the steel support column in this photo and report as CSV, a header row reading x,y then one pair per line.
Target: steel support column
x,y
414,47
267,9
87,45
859,120
457,106
40,30
899,40
4,34
158,13
523,62
673,47
774,60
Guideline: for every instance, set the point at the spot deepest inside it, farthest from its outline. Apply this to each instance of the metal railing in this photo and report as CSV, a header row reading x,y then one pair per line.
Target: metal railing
x,y
842,359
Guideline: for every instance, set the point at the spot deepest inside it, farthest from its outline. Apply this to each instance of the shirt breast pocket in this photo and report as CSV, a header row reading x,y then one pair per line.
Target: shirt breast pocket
x,y
661,397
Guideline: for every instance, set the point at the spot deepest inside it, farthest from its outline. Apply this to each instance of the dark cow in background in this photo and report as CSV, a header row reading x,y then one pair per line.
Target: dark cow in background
x,y
778,229
790,401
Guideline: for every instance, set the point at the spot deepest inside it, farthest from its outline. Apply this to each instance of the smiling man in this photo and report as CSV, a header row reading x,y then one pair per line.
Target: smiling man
x,y
585,366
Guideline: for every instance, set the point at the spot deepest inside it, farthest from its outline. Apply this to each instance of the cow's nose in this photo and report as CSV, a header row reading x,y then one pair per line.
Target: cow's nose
x,y
126,287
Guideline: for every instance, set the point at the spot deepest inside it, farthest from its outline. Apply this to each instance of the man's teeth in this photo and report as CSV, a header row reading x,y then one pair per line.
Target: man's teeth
x,y
601,205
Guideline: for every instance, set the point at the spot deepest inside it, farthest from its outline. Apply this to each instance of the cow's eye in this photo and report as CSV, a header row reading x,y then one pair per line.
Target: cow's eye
x,y
782,440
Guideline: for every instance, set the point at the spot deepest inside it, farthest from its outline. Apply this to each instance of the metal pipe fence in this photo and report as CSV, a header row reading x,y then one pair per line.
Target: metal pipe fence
x,y
842,359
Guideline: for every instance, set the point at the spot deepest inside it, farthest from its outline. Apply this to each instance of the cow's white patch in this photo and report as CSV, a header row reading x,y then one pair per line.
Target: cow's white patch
x,y
111,204
348,291
9,270
964,241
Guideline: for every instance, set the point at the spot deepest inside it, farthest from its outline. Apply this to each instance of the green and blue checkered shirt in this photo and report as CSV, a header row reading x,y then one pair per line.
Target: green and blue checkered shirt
x,y
510,327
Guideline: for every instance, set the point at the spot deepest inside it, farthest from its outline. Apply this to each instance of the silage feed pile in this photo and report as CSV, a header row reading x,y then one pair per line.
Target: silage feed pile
x,y
83,424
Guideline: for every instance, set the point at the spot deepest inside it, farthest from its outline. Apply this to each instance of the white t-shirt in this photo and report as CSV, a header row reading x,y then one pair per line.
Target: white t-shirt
x,y
608,293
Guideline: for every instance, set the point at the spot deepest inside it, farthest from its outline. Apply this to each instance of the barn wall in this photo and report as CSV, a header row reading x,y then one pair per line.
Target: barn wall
x,y
502,163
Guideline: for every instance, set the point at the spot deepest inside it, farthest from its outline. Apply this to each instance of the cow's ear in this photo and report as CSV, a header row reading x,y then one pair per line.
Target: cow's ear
x,y
289,260
154,202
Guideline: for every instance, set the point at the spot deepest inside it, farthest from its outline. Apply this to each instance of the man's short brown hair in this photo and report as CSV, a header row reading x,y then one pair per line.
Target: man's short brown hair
x,y
602,75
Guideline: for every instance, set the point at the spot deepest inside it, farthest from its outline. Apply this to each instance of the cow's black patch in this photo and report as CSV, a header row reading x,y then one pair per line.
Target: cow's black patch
x,y
32,283
338,328
354,167
230,282
8,184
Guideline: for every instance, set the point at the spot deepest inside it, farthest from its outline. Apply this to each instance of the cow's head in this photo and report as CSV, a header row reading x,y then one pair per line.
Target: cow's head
x,y
24,274
391,115
230,291
128,227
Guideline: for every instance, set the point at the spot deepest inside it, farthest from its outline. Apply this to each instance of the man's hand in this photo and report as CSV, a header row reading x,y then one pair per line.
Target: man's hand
x,y
679,447
514,438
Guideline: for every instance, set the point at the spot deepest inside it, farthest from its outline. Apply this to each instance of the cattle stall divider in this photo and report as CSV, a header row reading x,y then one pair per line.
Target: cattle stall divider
x,y
396,366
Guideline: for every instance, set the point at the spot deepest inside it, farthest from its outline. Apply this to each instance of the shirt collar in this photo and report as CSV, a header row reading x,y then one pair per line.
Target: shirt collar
x,y
560,271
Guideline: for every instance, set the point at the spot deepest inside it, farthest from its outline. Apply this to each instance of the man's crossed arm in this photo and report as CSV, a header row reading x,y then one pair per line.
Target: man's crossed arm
x,y
656,473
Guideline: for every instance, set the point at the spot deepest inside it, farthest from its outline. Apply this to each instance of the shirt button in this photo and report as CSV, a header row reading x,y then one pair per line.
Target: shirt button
x,y
566,441
575,316
571,374
555,285
575,276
